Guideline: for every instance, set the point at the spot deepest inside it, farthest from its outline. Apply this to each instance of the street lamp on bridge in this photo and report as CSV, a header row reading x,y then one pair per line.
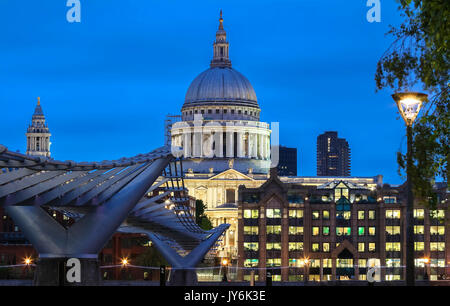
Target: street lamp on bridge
x,y
27,261
409,105
125,262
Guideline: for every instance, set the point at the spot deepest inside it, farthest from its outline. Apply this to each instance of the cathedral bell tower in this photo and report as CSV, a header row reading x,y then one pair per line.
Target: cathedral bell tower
x,y
38,134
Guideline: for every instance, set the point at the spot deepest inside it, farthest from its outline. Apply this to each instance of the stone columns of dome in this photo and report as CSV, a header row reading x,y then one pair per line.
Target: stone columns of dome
x,y
260,146
218,140
197,143
230,144
263,148
254,145
240,144
187,144
247,153
267,147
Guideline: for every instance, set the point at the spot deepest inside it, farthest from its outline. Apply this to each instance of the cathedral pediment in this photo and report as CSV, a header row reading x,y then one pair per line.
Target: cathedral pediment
x,y
231,174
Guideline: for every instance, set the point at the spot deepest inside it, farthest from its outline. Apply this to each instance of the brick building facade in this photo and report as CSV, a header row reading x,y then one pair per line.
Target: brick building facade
x,y
340,227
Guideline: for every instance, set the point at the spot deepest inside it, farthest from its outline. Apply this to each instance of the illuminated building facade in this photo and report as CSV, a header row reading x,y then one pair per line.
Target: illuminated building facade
x,y
340,225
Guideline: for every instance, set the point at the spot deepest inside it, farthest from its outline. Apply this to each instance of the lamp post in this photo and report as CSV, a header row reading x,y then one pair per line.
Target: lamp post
x,y
305,264
426,261
225,265
125,262
409,104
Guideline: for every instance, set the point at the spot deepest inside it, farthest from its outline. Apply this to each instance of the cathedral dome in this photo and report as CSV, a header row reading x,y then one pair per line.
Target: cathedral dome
x,y
220,85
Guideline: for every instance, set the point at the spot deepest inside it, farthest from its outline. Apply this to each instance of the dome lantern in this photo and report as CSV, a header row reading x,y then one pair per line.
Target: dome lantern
x,y
221,47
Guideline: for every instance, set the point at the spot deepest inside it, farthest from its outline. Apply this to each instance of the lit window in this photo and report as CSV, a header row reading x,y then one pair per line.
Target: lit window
x,y
392,246
390,199
361,231
419,214
274,229
273,245
361,246
362,263
372,231
393,262
315,214
250,263
343,231
419,262
251,214
344,263
250,246
273,213
326,230
250,230
360,214
295,246
371,214
326,214
437,230
437,263
437,246
326,247
327,263
372,247
295,230
419,229
314,263
419,246
274,262
437,214
296,213
392,277
393,214
393,230
315,247
276,277
294,262
315,230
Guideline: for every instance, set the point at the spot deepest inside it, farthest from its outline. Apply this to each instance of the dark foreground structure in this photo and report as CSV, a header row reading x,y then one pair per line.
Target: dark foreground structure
x,y
144,194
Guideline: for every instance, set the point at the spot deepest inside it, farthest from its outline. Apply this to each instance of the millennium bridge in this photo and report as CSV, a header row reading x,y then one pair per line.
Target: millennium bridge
x,y
143,194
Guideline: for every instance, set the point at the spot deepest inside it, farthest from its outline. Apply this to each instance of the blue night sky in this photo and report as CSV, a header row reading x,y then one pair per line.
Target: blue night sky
x,y
107,83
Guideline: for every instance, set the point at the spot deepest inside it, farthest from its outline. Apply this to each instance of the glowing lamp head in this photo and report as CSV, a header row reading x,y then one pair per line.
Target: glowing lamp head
x,y
27,261
125,261
224,262
409,104
426,260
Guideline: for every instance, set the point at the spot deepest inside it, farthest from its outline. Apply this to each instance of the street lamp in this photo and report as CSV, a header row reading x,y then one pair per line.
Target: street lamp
x,y
426,261
409,104
224,264
125,262
305,264
27,261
